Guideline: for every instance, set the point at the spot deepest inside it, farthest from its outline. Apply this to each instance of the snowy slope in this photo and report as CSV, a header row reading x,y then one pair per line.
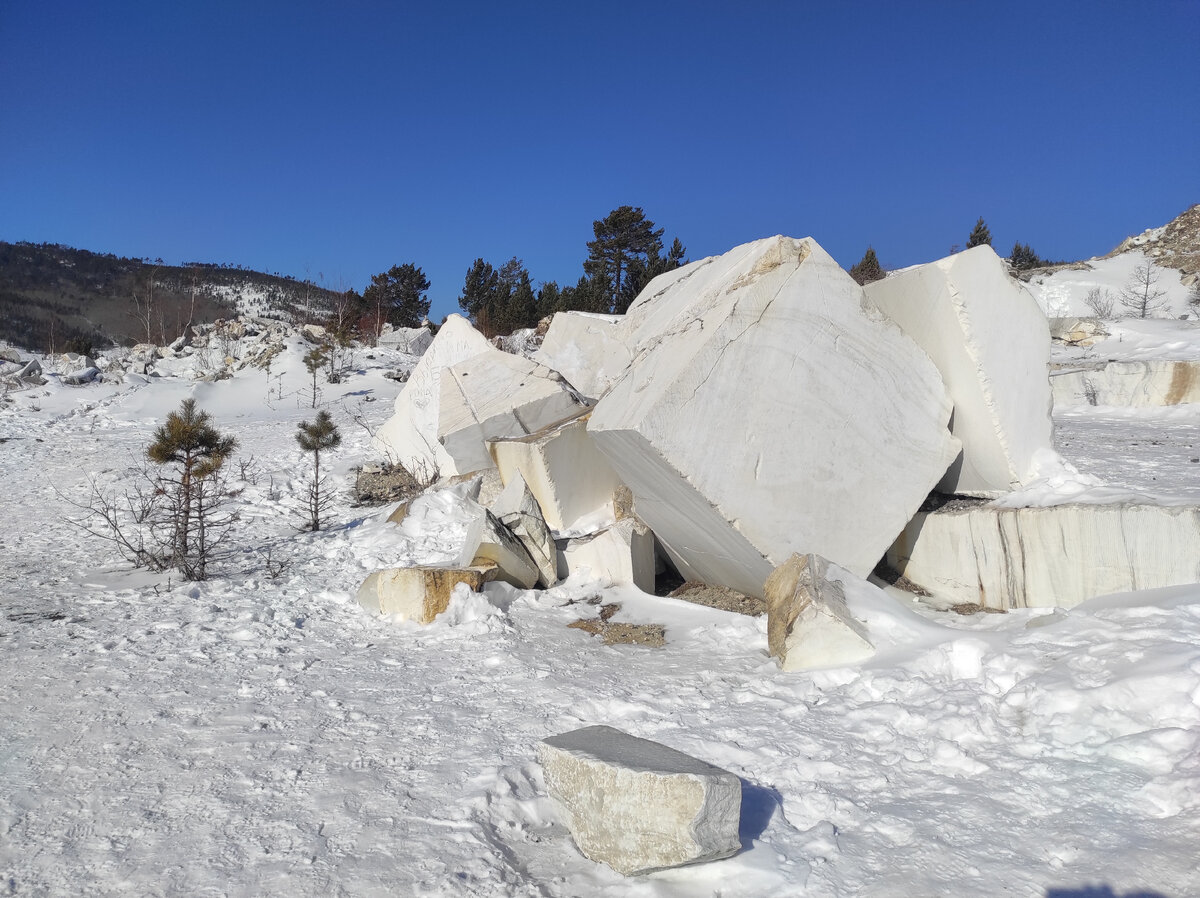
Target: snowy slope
x,y
1063,293
259,734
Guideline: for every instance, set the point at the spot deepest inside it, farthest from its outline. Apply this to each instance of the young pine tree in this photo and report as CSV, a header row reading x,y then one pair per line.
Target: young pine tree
x,y
195,452
317,437
979,235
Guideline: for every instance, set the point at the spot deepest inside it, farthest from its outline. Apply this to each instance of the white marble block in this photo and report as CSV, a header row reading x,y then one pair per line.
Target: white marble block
x,y
519,511
586,349
808,623
493,395
410,436
640,806
771,408
619,555
568,475
990,340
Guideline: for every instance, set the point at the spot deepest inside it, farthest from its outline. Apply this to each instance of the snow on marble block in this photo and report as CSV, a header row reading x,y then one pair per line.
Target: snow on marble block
x,y
771,406
808,623
493,395
568,475
620,555
518,510
1048,556
586,349
488,541
990,340
637,805
1138,384
410,436
417,593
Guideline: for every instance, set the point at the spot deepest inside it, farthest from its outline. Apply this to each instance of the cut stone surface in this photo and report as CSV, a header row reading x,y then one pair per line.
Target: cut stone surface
x,y
1046,557
1139,384
495,395
489,542
417,593
640,806
808,623
990,341
410,436
770,406
519,511
622,554
586,349
570,478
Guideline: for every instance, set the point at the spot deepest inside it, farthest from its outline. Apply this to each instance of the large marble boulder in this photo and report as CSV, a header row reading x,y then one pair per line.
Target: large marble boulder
x,y
771,408
991,343
410,436
494,395
640,806
808,622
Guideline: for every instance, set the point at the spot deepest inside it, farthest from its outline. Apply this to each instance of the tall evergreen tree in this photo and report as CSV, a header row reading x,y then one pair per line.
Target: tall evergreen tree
x,y
399,294
979,235
643,271
480,290
621,236
868,270
1023,257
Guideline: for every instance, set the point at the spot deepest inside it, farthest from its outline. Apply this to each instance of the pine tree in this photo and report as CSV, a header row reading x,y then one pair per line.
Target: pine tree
x,y
1023,257
317,437
480,291
197,450
979,235
622,235
314,359
868,270
398,295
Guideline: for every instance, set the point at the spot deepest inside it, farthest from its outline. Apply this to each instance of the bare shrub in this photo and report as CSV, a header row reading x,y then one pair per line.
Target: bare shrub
x,y
1101,302
1142,295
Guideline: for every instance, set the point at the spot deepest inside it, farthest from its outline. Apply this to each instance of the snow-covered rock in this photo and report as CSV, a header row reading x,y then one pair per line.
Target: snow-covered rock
x,y
417,593
1050,556
494,395
1141,383
620,555
586,349
771,408
638,805
569,476
519,511
990,341
410,436
808,623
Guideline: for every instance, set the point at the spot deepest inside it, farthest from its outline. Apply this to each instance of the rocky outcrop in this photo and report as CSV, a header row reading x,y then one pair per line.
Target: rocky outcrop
x,y
771,408
637,805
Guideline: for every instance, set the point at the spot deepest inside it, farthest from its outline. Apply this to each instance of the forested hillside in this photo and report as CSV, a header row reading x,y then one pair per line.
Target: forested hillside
x,y
51,295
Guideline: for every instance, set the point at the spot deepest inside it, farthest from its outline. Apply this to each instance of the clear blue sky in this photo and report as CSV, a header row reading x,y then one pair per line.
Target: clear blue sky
x,y
338,138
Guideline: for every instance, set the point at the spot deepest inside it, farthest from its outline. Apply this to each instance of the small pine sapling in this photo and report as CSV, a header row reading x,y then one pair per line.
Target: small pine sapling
x,y
191,452
319,436
314,360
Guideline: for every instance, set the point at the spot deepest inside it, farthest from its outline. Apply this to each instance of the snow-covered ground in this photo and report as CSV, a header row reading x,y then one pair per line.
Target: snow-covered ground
x,y
260,734
1065,292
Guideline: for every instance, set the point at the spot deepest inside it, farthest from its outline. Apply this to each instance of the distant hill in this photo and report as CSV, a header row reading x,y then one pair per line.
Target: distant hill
x,y
51,294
